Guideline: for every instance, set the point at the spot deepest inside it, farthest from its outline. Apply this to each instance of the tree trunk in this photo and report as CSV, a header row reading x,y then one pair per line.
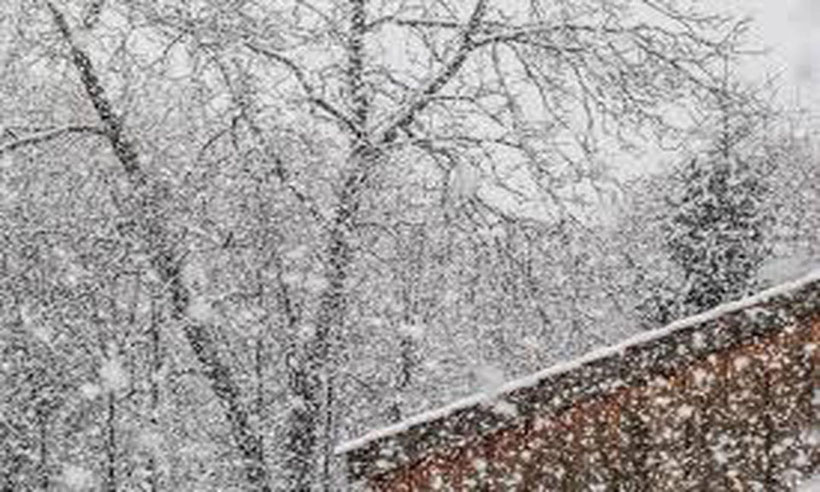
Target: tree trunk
x,y
311,370
312,367
111,444
150,228
156,368
42,465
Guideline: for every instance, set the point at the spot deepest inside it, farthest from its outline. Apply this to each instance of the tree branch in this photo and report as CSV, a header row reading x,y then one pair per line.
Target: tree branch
x,y
168,262
405,116
357,87
112,126
301,77
47,136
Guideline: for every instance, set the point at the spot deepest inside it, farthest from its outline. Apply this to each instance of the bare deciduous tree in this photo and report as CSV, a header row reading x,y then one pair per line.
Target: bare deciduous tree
x,y
481,113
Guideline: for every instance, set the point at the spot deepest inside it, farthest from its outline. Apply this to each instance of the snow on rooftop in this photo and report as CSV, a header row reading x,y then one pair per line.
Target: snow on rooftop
x,y
600,353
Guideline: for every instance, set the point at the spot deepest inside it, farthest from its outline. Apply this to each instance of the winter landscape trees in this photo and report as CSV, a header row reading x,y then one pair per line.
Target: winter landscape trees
x,y
237,232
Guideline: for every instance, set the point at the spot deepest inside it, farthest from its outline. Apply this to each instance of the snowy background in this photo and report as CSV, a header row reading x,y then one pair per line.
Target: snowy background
x,y
236,234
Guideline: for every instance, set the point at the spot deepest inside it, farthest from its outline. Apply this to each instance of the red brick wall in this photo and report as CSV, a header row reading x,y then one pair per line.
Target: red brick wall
x,y
741,419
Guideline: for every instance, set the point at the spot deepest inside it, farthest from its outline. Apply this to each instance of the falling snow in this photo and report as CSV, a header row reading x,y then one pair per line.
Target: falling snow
x,y
113,375
409,245
77,478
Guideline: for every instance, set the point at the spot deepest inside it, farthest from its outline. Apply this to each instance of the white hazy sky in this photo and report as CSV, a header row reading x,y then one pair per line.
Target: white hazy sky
x,y
791,30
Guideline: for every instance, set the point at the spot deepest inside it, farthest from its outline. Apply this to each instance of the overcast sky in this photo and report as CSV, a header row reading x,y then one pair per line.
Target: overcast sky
x,y
791,29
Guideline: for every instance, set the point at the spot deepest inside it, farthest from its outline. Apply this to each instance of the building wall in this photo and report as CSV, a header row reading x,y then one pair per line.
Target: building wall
x,y
741,419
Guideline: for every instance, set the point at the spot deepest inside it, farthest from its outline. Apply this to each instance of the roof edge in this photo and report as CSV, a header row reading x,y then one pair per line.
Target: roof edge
x,y
563,367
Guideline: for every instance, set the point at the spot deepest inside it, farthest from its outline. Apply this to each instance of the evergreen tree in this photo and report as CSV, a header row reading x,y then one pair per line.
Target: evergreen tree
x,y
716,233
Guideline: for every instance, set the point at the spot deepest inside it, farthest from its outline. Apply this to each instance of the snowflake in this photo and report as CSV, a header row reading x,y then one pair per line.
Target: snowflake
x,y
90,391
411,330
113,375
78,478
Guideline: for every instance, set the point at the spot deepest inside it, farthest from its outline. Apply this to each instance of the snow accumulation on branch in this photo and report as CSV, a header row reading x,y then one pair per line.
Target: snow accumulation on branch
x,y
600,353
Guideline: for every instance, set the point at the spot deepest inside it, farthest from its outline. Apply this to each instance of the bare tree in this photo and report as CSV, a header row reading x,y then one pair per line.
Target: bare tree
x,y
145,206
489,113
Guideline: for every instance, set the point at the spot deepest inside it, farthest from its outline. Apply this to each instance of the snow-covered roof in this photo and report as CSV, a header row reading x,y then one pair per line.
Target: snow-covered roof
x,y
597,371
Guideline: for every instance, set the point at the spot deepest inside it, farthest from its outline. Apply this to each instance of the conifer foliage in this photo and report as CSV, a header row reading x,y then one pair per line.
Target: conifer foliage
x,y
716,233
